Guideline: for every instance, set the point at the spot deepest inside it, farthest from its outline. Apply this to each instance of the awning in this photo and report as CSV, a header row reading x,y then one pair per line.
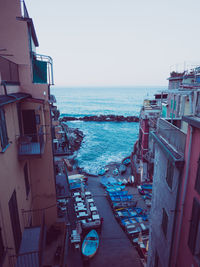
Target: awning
x,y
11,98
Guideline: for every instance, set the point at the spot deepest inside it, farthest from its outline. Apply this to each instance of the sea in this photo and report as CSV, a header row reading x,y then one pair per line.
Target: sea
x,y
104,142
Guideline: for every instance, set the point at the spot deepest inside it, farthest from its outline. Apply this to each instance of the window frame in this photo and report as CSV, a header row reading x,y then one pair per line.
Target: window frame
x,y
197,182
164,222
170,174
4,142
26,179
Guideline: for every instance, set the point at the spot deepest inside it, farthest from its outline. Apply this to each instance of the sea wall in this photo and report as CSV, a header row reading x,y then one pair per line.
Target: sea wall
x,y
102,118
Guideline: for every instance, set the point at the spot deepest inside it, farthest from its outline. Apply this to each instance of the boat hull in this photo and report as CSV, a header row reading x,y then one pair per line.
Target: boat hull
x,y
90,244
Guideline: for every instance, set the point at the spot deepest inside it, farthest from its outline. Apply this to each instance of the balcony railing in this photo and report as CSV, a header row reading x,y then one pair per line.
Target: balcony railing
x,y
31,144
32,244
9,71
172,135
42,69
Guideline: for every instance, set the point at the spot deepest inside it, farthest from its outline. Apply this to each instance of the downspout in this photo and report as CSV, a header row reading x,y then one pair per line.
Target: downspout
x,y
184,194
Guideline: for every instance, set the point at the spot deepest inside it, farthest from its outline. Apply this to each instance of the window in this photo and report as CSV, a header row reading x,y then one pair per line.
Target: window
x,y
14,218
3,130
194,233
170,174
197,183
27,185
164,222
2,250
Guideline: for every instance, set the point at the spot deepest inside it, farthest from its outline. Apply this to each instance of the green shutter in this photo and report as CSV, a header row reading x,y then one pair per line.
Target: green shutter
x,y
39,71
171,103
174,104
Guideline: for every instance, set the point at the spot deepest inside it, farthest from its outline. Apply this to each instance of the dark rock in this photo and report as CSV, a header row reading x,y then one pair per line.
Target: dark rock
x,y
101,118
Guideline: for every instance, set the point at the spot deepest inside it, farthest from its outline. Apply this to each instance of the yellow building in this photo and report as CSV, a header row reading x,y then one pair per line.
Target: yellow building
x,y
27,182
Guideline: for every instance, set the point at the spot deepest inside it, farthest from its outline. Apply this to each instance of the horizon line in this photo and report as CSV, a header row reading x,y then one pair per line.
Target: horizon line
x,y
106,86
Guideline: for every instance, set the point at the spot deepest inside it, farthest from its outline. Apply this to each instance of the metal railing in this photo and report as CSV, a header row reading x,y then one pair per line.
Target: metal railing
x,y
49,61
9,71
31,218
172,135
29,259
28,143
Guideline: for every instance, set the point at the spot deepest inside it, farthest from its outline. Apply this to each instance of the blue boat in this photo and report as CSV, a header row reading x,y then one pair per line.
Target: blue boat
x,y
90,244
126,161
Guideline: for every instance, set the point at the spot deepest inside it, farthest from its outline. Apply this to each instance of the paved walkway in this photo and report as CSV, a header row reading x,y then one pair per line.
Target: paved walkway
x,y
115,248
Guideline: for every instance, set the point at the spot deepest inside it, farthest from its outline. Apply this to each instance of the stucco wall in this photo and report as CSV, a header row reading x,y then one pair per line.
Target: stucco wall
x,y
163,197
11,177
186,259
41,177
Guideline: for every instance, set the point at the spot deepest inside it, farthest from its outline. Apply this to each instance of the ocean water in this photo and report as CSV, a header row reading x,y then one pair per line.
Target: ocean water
x,y
104,142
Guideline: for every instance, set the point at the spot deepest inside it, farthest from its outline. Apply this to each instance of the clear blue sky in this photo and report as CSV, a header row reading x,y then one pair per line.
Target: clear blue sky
x,y
116,42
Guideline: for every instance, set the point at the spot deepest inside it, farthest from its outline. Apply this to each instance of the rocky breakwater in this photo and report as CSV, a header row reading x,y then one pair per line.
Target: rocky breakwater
x,y
102,118
74,138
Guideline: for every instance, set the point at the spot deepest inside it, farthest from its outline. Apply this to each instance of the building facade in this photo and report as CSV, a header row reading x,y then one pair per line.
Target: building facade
x,y
187,234
168,162
27,184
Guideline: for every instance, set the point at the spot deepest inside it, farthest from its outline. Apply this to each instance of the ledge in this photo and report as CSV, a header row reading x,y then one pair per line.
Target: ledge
x,y
174,156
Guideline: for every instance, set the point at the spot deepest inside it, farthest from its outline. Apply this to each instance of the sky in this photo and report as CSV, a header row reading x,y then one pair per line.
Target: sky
x,y
116,42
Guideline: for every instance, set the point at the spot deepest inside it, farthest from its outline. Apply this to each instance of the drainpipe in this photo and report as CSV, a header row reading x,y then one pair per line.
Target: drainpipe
x,y
4,86
184,193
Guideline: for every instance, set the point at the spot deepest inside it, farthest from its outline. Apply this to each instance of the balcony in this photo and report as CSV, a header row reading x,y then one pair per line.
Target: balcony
x,y
42,69
172,135
9,71
31,145
171,140
33,241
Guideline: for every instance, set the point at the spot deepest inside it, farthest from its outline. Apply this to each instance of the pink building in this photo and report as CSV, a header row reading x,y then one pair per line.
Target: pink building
x,y
186,251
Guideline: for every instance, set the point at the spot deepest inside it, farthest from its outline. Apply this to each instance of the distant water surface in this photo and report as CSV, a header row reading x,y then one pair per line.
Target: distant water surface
x,y
104,142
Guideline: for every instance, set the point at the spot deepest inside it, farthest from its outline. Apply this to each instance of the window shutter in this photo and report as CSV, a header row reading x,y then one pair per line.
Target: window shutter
x,y
3,130
194,225
197,183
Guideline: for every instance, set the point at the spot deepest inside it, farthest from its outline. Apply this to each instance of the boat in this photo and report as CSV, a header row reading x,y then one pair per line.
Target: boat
x,y
126,161
102,171
122,168
90,244
115,172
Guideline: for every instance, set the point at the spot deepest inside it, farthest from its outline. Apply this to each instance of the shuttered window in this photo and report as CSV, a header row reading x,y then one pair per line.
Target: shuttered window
x,y
3,130
194,233
197,183
164,222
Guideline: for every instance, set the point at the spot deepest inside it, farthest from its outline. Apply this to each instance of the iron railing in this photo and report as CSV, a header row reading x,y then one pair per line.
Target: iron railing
x,y
29,259
31,218
31,144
